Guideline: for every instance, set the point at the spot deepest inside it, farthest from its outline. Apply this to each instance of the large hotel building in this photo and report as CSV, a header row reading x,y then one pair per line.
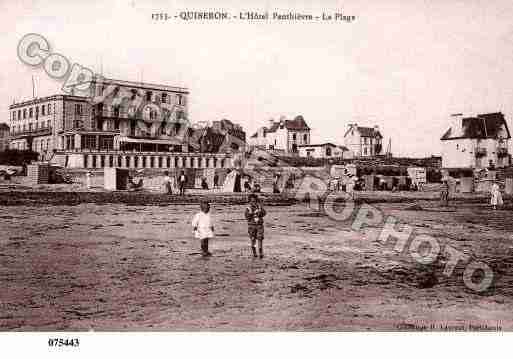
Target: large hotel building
x,y
115,124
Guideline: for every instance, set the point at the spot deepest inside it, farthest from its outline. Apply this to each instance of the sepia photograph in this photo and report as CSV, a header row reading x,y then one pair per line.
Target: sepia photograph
x,y
257,166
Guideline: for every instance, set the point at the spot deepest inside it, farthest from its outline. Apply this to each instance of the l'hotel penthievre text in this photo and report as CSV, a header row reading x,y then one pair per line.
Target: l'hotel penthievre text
x,y
252,16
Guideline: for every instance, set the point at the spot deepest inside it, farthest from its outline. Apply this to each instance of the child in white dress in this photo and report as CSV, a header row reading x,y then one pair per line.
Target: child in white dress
x,y
203,227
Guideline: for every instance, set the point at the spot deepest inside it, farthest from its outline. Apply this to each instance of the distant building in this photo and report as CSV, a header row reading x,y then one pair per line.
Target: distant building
x,y
476,142
363,141
4,136
322,150
221,136
283,135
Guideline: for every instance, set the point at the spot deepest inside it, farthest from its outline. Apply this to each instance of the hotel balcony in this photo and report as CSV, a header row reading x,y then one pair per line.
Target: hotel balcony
x,y
47,131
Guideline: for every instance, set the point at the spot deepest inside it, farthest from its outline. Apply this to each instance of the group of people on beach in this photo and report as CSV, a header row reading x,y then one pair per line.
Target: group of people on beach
x,y
182,182
203,226
495,194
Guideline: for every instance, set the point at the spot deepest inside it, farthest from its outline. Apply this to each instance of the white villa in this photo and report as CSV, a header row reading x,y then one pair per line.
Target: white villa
x,y
282,135
476,142
363,141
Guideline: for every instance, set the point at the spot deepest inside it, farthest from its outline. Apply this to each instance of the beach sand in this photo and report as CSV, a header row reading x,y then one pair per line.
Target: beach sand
x,y
130,267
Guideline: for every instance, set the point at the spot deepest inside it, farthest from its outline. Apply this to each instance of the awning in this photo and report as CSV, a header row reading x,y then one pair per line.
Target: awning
x,y
169,142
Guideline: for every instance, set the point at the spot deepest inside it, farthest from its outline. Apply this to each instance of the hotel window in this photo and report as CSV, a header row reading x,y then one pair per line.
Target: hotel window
x,y
24,113
148,95
164,97
43,110
115,109
305,138
78,109
19,115
116,124
294,137
37,110
181,100
89,142
14,115
48,124
30,126
49,109
31,112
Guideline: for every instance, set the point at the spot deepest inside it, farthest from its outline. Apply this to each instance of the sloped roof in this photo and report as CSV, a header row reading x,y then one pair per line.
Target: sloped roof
x,y
4,126
297,124
273,128
366,132
482,126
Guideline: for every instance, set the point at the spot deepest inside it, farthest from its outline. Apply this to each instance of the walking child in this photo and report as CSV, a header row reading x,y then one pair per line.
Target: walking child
x,y
203,227
255,213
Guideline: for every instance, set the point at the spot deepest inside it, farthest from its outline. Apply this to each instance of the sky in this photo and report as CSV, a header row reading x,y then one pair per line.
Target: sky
x,y
405,66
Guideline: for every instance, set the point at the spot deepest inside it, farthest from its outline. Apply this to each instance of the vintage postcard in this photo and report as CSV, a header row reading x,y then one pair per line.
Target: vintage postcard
x,y
225,166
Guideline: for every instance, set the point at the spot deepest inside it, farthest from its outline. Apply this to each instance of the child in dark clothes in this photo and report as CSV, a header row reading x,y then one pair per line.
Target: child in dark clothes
x,y
254,214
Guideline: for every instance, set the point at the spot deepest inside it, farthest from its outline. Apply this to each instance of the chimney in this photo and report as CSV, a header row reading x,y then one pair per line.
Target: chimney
x,y
455,123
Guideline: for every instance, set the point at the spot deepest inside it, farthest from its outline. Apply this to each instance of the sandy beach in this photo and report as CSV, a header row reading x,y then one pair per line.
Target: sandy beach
x,y
132,267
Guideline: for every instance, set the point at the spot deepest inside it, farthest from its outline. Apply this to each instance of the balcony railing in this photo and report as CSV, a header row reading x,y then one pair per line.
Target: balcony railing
x,y
35,132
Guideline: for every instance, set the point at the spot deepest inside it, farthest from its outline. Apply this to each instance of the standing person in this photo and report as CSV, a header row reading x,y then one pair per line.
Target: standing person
x,y
182,180
204,184
88,179
167,183
203,227
276,188
350,186
216,181
247,184
254,214
496,198
444,193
